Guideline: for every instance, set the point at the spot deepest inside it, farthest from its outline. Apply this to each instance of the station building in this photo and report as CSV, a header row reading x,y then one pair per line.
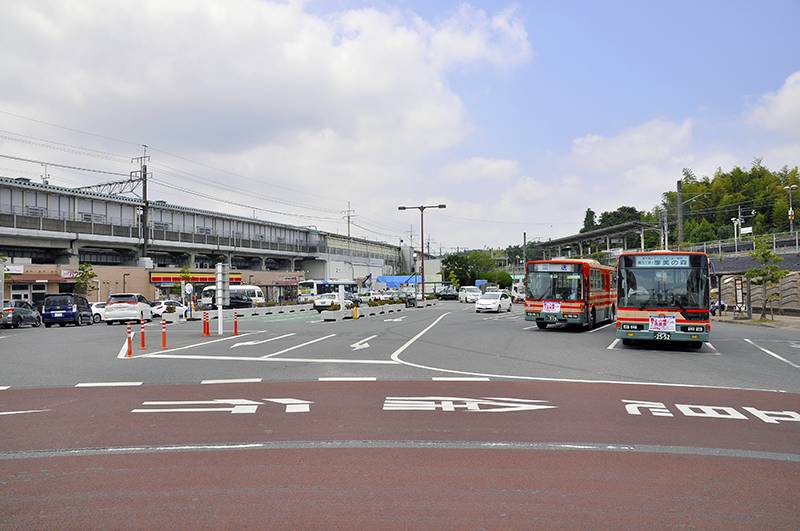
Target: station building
x,y
47,231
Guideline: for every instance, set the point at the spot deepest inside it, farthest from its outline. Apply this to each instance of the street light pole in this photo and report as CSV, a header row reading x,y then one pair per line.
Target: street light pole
x,y
422,236
791,210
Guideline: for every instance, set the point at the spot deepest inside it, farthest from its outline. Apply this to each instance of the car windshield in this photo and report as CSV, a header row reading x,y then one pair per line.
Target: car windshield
x,y
492,295
58,300
472,290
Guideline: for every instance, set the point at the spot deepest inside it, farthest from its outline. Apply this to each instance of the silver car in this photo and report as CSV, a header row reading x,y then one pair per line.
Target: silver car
x,y
494,301
17,313
469,294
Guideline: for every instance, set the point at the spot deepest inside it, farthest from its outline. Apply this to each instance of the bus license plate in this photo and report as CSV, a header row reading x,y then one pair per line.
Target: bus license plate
x,y
661,336
551,318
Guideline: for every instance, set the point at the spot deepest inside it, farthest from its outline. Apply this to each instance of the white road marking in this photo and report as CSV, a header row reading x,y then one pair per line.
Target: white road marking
x,y
613,344
240,405
263,359
110,384
3,388
297,346
248,343
592,331
776,356
347,379
232,380
160,354
460,379
358,345
293,405
21,412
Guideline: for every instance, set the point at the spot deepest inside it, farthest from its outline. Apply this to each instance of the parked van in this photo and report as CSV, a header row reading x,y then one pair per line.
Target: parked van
x,y
124,307
65,308
255,294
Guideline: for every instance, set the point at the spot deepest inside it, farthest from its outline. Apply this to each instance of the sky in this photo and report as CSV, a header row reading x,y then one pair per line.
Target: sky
x,y
516,116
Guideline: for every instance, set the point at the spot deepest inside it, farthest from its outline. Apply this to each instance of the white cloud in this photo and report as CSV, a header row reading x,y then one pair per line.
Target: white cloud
x,y
780,111
480,169
652,142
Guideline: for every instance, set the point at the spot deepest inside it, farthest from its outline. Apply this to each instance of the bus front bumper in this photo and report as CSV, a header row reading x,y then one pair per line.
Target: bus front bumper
x,y
554,318
676,335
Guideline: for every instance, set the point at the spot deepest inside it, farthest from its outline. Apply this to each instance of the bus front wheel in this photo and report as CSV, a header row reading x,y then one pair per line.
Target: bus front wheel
x,y
541,325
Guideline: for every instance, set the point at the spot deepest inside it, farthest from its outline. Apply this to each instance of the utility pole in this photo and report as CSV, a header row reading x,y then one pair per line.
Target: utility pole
x,y
347,215
145,209
680,215
524,254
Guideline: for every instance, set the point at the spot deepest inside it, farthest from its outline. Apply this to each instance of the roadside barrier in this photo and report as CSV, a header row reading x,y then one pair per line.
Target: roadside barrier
x,y
142,330
235,323
163,334
206,331
130,348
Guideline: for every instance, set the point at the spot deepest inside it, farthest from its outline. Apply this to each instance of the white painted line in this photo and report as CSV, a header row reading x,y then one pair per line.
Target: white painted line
x,y
3,388
600,328
530,327
716,352
460,379
345,379
777,357
262,359
158,355
110,384
233,380
613,344
21,412
297,346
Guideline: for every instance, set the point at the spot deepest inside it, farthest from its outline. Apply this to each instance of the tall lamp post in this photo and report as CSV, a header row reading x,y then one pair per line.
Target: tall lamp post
x,y
422,235
791,210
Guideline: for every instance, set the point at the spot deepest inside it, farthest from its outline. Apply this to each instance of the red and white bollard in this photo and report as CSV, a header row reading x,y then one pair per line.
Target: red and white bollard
x,y
130,348
142,347
206,331
235,323
163,334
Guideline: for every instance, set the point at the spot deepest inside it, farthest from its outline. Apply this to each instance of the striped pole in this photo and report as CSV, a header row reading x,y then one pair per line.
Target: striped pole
x,y
130,348
142,347
163,334
206,331
235,323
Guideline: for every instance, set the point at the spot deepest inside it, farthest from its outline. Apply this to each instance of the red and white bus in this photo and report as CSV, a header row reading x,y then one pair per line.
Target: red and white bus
x,y
578,292
663,296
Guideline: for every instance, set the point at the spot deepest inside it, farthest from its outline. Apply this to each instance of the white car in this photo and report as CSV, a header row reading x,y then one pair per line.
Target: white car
x,y
161,307
325,301
98,311
469,294
125,307
494,301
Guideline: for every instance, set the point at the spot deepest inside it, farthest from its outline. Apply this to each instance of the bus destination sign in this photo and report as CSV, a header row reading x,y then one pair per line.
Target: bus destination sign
x,y
662,260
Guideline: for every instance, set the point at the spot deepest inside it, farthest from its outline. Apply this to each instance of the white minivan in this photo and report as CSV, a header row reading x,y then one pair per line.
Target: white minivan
x,y
469,294
123,307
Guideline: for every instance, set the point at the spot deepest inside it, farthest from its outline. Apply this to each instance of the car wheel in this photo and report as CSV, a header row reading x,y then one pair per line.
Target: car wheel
x,y
509,308
79,320
96,318
17,322
592,319
37,322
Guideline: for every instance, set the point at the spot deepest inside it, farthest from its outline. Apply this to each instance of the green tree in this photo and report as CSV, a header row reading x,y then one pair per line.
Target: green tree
x,y
83,282
499,277
457,265
769,272
589,221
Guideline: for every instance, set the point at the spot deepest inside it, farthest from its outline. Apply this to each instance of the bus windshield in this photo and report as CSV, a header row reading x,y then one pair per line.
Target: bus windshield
x,y
554,285
663,288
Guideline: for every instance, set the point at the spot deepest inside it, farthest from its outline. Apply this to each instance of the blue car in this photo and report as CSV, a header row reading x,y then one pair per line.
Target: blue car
x,y
66,308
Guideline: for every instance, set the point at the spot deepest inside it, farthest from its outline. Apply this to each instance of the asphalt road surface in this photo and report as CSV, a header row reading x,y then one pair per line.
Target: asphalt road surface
x,y
434,418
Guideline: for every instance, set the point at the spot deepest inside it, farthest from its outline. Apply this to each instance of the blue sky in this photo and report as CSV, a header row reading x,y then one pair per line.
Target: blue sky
x,y
517,116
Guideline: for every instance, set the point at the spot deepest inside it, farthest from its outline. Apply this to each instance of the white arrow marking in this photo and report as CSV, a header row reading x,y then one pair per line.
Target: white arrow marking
x,y
293,405
358,345
240,405
19,412
262,341
395,320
